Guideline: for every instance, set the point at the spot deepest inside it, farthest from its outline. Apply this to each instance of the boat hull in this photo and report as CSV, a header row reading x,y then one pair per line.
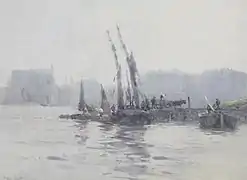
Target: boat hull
x,y
172,114
213,121
76,116
162,114
132,117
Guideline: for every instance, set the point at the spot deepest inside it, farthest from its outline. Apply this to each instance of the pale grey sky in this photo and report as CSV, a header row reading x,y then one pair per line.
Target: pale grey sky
x,y
191,35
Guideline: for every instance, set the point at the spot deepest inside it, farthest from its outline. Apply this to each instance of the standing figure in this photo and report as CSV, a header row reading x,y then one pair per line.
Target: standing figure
x,y
113,109
101,112
147,104
143,105
161,101
217,103
153,102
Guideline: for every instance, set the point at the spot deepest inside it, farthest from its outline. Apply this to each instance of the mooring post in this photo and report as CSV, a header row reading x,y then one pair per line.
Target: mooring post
x,y
221,120
188,102
170,117
189,108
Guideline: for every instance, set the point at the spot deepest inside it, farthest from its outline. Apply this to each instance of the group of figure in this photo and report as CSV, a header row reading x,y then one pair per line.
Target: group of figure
x,y
147,104
216,106
162,103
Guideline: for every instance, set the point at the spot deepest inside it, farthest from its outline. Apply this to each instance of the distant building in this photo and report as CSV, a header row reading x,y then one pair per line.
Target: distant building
x,y
65,95
35,85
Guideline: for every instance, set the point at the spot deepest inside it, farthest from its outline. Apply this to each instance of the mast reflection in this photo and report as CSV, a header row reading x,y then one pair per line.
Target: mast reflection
x,y
134,156
81,134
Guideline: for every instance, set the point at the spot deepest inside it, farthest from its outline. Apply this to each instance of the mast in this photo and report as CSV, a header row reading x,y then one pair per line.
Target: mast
x,y
113,49
120,91
120,95
132,69
128,91
105,105
82,104
129,56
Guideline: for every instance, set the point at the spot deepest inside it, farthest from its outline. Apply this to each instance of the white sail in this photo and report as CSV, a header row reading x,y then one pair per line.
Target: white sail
x,y
132,69
120,94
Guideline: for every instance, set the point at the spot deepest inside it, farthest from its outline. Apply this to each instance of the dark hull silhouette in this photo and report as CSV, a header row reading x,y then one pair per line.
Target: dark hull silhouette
x,y
123,117
132,117
76,116
214,121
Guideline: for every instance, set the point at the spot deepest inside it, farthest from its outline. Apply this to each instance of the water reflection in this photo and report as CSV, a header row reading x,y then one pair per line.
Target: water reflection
x,y
82,134
106,127
135,156
124,152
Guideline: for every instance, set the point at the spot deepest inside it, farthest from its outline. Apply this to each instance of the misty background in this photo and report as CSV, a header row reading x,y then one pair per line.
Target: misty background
x,y
192,36
225,84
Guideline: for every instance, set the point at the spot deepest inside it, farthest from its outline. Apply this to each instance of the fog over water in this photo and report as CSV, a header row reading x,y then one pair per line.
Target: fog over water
x,y
191,36
182,48
36,145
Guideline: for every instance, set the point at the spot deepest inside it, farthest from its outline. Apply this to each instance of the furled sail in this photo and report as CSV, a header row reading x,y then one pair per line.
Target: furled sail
x,y
114,50
82,104
128,91
132,70
105,105
120,94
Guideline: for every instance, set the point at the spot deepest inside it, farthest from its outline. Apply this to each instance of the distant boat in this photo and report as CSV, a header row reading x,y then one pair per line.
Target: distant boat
x,y
85,111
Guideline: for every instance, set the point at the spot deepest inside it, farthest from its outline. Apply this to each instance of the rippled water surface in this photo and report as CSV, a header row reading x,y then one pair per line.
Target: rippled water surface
x,y
36,145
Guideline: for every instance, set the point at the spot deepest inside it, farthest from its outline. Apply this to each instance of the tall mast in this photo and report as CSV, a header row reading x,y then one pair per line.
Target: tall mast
x,y
132,69
122,42
113,49
129,55
128,91
120,95
82,104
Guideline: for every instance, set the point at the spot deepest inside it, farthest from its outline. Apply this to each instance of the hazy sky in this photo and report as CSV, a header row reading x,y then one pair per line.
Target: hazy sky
x,y
190,35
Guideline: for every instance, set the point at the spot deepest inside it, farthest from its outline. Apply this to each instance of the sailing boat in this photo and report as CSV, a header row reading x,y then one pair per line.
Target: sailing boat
x,y
132,70
122,115
82,108
27,98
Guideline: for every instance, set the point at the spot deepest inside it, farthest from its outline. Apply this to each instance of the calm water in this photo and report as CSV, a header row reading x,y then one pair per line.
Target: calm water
x,y
36,145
